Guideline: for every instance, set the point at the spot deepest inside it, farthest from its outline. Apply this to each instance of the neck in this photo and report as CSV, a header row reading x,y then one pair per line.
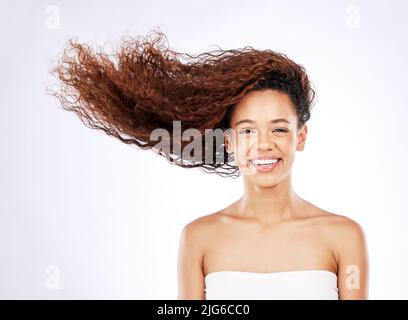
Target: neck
x,y
268,204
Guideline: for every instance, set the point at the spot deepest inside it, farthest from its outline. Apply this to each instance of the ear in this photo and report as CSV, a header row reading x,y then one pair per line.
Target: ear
x,y
302,133
228,142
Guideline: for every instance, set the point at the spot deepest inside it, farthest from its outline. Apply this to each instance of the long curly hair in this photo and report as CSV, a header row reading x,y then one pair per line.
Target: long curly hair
x,y
144,86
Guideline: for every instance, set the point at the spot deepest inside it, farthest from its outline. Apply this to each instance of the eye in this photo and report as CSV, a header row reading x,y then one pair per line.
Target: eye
x,y
245,131
280,131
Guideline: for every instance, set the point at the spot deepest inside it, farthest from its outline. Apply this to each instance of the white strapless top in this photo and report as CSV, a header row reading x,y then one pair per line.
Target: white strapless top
x,y
289,285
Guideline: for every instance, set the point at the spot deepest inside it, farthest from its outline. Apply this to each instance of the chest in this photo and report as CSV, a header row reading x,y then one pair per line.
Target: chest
x,y
259,249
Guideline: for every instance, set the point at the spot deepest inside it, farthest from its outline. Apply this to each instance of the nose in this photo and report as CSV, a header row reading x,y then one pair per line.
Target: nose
x,y
265,141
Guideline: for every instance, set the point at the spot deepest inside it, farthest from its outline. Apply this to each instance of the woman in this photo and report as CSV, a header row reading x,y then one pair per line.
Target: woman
x,y
270,243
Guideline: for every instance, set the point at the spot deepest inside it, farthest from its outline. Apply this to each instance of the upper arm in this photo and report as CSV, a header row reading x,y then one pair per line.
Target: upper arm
x,y
189,269
352,258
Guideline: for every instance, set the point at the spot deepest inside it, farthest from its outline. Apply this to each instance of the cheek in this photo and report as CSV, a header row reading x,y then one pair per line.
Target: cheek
x,y
287,143
288,150
241,152
286,147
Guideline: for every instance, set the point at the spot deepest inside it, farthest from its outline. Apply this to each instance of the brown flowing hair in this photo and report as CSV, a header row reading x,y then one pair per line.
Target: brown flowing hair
x,y
144,86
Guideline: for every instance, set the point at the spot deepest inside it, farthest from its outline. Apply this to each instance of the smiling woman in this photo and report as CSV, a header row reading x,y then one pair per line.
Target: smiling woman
x,y
269,119
270,243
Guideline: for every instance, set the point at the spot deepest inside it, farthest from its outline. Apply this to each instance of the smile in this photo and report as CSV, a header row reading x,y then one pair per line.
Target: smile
x,y
265,165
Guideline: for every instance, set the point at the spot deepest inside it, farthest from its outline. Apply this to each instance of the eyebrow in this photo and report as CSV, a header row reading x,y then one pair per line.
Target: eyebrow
x,y
252,121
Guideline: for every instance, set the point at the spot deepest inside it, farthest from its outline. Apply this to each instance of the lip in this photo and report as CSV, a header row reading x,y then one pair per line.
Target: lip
x,y
265,157
266,168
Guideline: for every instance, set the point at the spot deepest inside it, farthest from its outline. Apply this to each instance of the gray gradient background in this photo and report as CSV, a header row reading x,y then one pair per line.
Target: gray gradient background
x,y
85,216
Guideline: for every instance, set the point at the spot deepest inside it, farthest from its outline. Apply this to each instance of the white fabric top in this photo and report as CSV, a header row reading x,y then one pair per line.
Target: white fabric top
x,y
289,285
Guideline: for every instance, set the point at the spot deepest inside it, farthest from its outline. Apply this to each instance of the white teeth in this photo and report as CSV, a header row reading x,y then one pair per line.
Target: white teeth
x,y
264,161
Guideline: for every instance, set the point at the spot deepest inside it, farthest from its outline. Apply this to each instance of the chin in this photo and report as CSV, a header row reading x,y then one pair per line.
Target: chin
x,y
265,182
265,179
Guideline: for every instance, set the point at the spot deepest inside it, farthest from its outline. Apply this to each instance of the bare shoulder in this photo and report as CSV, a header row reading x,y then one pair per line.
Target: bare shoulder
x,y
348,243
192,246
347,240
340,225
335,224
342,232
346,233
203,222
200,228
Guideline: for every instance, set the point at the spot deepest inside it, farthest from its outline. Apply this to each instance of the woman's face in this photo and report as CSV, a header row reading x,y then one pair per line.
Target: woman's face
x,y
264,125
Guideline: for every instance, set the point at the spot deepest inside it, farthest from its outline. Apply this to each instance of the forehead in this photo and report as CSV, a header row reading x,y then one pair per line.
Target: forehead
x,y
264,105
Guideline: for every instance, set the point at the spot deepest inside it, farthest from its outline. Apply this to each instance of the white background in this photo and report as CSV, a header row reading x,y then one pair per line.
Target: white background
x,y
105,218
